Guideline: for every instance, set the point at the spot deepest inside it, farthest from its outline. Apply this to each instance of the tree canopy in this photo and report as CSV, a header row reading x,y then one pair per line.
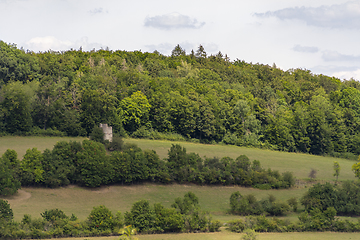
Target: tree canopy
x,y
197,95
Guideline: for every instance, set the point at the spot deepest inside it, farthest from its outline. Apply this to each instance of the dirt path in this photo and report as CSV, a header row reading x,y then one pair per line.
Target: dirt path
x,y
21,195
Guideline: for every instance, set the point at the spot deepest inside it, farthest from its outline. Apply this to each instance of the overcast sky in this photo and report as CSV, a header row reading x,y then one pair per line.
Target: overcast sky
x,y
319,35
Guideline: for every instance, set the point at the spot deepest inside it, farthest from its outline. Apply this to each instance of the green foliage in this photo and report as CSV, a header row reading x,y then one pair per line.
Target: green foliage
x,y
356,169
59,164
187,204
117,144
288,179
207,98
134,111
73,217
32,169
128,232
53,214
248,205
167,219
16,106
343,198
9,170
237,225
316,220
194,219
130,165
97,135
244,205
6,213
293,203
144,132
99,106
94,166
141,216
101,218
45,132
249,234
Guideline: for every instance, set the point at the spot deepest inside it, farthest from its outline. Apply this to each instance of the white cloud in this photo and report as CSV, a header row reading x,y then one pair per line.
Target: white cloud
x,y
98,11
346,15
348,74
163,48
47,43
298,48
335,56
166,48
52,43
172,21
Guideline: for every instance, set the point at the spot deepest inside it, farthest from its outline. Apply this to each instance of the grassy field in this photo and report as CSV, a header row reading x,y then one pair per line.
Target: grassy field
x,y
80,201
21,144
236,236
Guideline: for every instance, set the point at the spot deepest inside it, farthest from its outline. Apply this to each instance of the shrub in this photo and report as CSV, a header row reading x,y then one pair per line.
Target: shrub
x,y
141,216
278,208
289,179
167,219
144,132
245,205
237,225
94,165
73,217
117,144
6,213
36,131
101,218
214,226
9,165
249,234
53,215
293,203
97,135
316,220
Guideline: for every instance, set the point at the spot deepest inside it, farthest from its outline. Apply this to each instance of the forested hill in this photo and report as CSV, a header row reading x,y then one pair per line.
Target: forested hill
x,y
202,97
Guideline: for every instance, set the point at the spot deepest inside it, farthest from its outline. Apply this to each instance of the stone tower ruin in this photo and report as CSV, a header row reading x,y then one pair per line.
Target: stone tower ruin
x,y
107,130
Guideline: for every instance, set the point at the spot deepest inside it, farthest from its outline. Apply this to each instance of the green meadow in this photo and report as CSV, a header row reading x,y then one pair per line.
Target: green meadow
x,y
80,201
21,144
214,199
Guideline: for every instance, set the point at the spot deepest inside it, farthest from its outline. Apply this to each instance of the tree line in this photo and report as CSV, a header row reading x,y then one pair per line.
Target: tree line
x,y
183,96
88,164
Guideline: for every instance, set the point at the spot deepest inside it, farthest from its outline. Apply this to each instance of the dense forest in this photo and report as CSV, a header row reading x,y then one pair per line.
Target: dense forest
x,y
192,96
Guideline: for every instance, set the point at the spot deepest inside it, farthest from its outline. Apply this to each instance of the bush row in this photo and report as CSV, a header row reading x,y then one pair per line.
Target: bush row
x,y
344,198
248,205
314,220
185,215
89,164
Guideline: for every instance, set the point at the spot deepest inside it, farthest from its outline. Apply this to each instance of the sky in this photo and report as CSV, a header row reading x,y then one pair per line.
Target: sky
x,y
322,36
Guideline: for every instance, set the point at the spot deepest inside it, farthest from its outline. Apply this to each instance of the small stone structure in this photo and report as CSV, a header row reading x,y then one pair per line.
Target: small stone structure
x,y
107,130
